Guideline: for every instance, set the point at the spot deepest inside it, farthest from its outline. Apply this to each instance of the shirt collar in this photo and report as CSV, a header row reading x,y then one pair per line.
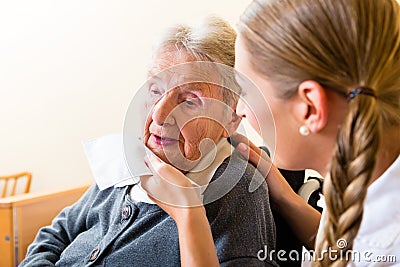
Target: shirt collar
x,y
202,173
383,192
380,214
380,223
387,183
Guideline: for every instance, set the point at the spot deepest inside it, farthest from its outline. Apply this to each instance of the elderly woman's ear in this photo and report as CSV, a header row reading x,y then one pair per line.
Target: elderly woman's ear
x,y
232,125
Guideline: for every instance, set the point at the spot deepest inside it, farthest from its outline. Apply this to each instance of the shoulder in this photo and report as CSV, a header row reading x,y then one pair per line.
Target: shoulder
x,y
235,208
241,176
237,183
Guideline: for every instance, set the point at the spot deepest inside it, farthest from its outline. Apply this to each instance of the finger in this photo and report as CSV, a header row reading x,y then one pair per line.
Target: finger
x,y
169,185
159,190
263,154
256,158
162,191
153,161
157,166
259,162
239,138
144,178
168,173
148,183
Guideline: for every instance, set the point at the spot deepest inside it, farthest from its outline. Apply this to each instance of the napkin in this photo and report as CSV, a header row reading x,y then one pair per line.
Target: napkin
x,y
107,160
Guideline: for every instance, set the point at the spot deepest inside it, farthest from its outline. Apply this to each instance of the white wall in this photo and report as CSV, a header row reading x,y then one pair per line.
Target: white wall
x,y
68,70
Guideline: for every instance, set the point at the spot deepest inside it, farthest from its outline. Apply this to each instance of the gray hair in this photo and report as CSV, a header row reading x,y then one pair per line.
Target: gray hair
x,y
213,40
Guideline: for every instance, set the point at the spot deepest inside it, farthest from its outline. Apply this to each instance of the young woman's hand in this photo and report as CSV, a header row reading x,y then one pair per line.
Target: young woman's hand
x,y
174,193
277,185
170,188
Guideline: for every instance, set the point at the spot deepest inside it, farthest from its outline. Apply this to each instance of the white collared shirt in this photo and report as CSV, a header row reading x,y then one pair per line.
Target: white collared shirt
x,y
378,240
379,235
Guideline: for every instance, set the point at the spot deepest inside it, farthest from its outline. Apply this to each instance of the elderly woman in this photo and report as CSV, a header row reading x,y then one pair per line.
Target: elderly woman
x,y
119,226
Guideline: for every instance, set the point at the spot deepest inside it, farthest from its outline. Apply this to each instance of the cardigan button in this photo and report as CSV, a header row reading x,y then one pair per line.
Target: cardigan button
x,y
126,212
94,254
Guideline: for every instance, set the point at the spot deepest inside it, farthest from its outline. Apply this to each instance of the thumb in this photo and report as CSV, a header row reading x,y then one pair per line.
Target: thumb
x,y
244,150
153,162
256,158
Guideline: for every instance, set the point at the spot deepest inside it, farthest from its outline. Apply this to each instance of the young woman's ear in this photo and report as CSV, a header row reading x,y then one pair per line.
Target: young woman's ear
x,y
232,125
314,111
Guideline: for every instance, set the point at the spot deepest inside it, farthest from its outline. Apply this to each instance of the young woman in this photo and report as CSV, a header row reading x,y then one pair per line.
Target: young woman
x,y
330,71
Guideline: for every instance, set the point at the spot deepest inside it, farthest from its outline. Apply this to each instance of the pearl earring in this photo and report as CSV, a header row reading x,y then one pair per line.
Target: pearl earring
x,y
304,130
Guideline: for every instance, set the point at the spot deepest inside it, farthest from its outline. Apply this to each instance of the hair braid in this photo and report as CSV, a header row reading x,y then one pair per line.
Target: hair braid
x,y
351,172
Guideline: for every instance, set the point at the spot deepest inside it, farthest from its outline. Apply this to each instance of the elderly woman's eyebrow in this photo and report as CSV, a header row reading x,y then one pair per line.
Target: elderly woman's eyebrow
x,y
153,77
158,81
198,89
196,86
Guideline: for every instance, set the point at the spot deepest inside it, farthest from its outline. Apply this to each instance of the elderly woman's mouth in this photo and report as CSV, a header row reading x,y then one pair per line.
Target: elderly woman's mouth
x,y
162,141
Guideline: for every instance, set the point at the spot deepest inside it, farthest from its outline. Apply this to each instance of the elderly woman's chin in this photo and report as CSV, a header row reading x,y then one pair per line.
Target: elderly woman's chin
x,y
175,156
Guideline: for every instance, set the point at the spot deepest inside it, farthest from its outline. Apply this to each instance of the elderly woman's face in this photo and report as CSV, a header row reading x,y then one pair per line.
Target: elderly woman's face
x,y
175,126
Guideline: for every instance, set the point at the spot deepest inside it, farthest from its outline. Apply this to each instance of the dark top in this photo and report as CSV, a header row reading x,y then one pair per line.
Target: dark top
x,y
286,239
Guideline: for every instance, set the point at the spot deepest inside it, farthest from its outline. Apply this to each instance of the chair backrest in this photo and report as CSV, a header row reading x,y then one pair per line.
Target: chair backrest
x,y
10,183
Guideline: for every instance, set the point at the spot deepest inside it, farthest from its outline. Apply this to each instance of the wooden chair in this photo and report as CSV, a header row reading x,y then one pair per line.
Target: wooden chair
x,y
13,181
22,215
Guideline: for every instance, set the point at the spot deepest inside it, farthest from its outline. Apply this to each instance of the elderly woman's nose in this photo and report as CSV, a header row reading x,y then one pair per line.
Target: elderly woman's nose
x,y
162,113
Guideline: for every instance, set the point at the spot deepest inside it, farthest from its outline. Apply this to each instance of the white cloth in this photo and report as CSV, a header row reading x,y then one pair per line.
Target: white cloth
x,y
107,161
378,240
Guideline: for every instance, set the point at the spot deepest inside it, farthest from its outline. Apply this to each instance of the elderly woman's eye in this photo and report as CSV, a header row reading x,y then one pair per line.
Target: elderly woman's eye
x,y
155,91
190,103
